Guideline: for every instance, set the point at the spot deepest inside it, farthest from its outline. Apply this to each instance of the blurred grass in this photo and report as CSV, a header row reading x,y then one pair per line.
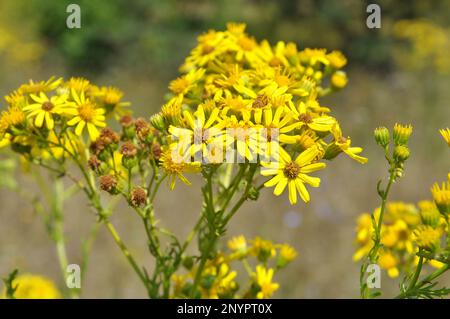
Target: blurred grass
x,y
138,46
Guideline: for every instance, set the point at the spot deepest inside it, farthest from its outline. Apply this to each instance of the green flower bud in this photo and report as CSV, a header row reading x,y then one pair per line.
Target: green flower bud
x,y
157,120
401,153
332,151
382,136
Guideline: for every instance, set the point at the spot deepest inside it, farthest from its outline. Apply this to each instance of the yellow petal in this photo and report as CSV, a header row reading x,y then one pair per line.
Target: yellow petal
x,y
39,119
273,181
93,131
292,192
280,186
79,128
74,121
302,190
49,121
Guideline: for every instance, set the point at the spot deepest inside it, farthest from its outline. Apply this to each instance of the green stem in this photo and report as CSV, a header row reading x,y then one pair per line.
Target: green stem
x,y
416,274
373,254
125,250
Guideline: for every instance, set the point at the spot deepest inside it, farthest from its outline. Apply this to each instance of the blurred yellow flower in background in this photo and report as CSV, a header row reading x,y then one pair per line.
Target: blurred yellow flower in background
x,y
34,287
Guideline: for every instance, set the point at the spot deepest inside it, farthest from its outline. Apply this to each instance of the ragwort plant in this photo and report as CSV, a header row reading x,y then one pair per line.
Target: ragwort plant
x,y
402,237
243,114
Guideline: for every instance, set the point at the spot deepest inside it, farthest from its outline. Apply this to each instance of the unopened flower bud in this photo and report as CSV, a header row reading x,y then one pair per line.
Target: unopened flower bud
x,y
157,121
401,153
402,134
339,80
382,136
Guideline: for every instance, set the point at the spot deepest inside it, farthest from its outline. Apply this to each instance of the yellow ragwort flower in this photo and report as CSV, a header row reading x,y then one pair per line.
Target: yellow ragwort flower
x,y
293,173
44,108
263,278
441,196
176,167
85,114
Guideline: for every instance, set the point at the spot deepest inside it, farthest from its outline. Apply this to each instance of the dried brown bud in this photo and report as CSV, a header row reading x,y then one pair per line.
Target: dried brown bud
x,y
97,146
94,163
156,151
128,149
142,128
126,121
138,197
108,136
108,183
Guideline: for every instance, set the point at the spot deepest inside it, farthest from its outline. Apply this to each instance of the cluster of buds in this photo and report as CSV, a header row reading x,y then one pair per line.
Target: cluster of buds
x,y
117,156
400,138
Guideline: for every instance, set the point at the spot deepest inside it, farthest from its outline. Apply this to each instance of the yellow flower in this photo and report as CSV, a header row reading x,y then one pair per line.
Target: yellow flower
x,y
111,98
427,237
263,279
171,111
446,135
43,109
186,83
293,173
78,84
274,57
401,134
337,59
176,168
262,249
364,231
211,45
249,141
263,100
218,281
14,116
319,123
34,287
389,262
202,139
16,98
441,196
86,114
42,86
238,244
287,254
344,144
339,79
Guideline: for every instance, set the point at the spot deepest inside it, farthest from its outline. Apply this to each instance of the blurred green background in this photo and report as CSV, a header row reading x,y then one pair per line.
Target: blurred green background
x,y
397,73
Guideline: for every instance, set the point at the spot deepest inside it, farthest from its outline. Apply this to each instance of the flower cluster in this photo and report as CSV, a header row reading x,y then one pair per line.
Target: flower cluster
x,y
51,119
218,280
244,101
406,229
429,45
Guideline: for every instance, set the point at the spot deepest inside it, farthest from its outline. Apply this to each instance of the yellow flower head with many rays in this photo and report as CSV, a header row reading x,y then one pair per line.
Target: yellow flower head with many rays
x,y
43,109
263,278
293,173
85,114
